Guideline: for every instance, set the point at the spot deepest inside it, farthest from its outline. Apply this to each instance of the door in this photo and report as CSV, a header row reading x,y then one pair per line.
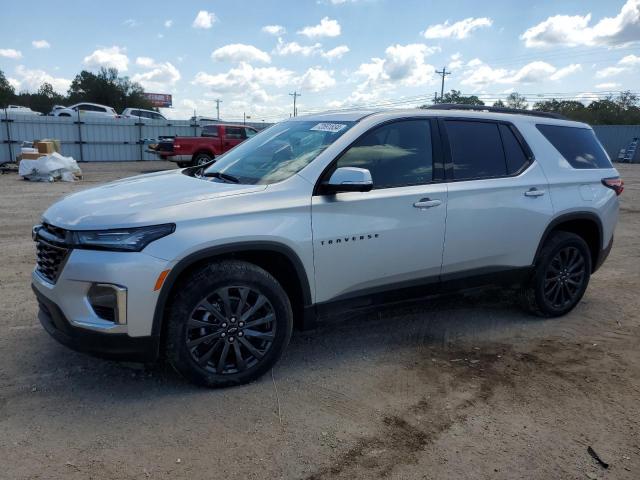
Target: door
x,y
498,202
232,137
390,237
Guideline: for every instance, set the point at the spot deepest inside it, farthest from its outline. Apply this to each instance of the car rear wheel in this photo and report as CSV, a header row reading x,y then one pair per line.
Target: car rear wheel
x,y
228,324
201,159
561,276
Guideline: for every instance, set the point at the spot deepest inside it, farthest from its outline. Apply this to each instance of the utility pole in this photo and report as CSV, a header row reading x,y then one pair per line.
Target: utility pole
x,y
295,95
444,73
435,97
218,102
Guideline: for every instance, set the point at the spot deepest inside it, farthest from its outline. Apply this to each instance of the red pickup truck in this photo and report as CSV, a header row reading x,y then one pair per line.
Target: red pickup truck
x,y
214,140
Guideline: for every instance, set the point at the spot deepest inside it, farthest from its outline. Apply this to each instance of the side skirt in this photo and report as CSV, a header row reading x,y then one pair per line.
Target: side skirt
x,y
363,300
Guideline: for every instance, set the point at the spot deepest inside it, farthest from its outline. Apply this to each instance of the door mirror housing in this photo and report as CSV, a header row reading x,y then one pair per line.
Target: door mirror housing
x,y
349,179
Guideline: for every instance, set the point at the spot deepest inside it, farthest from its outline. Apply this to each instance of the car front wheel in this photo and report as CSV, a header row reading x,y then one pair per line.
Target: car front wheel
x,y
228,324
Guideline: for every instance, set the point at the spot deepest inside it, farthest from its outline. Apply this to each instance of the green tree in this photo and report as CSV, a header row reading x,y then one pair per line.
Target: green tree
x,y
455,96
499,103
41,101
515,100
7,92
107,88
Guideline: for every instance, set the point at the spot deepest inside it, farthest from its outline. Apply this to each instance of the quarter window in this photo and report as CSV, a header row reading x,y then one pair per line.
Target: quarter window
x,y
516,158
397,154
579,146
476,150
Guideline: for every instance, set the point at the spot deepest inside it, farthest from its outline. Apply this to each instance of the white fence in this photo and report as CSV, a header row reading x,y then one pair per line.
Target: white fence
x,y
92,139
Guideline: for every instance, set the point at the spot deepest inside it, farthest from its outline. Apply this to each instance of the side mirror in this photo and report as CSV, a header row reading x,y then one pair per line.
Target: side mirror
x,y
349,179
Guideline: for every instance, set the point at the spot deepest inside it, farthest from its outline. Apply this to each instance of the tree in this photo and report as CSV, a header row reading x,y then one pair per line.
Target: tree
x,y
41,101
499,104
515,100
107,88
7,92
455,96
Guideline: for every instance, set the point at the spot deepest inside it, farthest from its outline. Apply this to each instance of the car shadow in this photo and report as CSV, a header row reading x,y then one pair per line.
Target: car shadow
x,y
440,322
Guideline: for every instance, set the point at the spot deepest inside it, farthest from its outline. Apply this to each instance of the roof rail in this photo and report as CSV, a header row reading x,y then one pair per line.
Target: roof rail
x,y
484,108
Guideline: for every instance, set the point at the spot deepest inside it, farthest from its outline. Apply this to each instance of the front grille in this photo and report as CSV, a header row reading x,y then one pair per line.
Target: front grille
x,y
51,252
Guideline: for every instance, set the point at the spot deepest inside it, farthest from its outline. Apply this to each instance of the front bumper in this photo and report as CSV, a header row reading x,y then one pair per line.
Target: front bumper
x,y
118,346
68,315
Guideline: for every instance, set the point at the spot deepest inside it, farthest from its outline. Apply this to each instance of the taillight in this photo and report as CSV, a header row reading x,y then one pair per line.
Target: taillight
x,y
176,146
614,183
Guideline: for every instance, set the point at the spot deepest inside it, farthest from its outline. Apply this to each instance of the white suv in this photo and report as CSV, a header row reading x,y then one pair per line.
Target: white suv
x,y
210,268
85,109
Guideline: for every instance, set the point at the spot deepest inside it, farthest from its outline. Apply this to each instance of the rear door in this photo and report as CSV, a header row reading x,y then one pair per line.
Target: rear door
x,y
232,137
498,200
390,237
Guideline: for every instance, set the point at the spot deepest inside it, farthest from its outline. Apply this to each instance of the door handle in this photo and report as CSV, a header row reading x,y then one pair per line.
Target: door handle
x,y
427,203
534,192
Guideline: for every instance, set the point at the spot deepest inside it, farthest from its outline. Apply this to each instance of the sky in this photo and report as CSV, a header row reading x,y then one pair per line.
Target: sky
x,y
336,53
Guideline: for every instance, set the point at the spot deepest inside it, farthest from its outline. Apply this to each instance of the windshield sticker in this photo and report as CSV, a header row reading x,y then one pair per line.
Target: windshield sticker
x,y
329,127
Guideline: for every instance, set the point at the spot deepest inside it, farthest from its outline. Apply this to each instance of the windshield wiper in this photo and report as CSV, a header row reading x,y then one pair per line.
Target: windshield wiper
x,y
223,176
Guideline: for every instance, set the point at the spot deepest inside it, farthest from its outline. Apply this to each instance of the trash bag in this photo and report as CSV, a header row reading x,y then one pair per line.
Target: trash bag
x,y
50,168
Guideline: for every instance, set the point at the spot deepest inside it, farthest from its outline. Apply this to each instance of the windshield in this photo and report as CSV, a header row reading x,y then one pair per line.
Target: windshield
x,y
276,153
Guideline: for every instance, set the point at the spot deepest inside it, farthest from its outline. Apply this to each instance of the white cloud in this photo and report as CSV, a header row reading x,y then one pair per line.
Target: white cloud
x,y
566,71
294,48
630,61
608,86
274,29
457,30
625,64
130,22
111,57
326,28
168,23
159,77
10,53
479,75
146,62
574,30
31,80
316,79
336,53
456,61
402,64
610,72
40,44
239,52
204,19
244,77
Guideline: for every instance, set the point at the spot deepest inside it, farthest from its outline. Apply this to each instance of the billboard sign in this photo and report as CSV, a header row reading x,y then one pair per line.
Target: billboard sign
x,y
161,100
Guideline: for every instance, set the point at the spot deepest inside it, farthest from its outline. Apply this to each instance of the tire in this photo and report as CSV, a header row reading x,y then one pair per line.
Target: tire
x,y
64,115
201,159
184,164
561,276
207,323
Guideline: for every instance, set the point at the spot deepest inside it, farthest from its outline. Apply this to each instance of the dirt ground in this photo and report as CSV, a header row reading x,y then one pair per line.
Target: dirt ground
x,y
463,387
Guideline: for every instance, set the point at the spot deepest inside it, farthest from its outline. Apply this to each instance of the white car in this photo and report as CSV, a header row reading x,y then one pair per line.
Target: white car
x,y
22,110
85,109
210,267
141,113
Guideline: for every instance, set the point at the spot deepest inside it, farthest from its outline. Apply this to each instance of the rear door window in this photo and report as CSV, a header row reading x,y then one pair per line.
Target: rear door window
x,y
579,146
234,132
476,150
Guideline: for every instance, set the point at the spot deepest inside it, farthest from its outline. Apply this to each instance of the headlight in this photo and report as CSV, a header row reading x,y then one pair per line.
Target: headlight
x,y
121,239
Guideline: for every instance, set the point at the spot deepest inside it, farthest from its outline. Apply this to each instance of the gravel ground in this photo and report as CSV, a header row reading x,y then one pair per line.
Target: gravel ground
x,y
466,386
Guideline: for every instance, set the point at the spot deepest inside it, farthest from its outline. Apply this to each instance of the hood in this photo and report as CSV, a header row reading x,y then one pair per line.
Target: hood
x,y
130,201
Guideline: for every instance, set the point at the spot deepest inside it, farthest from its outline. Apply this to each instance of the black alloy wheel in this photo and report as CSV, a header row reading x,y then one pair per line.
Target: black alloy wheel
x,y
231,330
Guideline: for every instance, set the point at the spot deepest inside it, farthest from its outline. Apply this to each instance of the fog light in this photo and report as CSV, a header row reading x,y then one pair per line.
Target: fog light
x,y
109,302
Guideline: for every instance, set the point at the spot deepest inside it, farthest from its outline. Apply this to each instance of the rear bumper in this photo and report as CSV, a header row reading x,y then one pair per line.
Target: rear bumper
x,y
105,345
